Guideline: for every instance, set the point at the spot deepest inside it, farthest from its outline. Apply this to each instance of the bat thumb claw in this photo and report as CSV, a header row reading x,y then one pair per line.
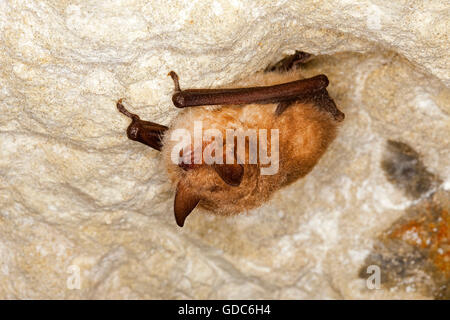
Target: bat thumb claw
x,y
174,77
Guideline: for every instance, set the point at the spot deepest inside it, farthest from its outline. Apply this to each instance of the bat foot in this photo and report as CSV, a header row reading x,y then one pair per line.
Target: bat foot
x,y
290,62
174,77
324,102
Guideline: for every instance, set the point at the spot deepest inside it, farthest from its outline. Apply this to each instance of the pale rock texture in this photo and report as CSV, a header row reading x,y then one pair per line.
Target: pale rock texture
x,y
86,213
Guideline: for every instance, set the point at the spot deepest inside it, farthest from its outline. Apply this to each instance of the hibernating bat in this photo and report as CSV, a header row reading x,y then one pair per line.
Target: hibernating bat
x,y
264,135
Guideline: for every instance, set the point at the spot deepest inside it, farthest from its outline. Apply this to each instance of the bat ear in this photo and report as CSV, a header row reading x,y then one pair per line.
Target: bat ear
x,y
230,173
185,201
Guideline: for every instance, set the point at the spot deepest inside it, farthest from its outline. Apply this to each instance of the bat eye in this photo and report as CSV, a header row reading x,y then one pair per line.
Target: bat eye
x,y
186,163
231,174
186,166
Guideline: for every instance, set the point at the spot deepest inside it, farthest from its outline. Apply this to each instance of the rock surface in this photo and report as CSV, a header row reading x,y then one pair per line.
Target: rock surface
x,y
86,213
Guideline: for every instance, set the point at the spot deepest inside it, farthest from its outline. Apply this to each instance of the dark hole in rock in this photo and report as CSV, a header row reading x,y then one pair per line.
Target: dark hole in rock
x,y
403,168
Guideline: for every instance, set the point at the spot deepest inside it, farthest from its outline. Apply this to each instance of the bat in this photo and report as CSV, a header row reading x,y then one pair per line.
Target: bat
x,y
259,140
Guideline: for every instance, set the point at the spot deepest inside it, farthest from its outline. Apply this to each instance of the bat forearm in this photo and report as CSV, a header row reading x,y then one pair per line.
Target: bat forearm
x,y
265,94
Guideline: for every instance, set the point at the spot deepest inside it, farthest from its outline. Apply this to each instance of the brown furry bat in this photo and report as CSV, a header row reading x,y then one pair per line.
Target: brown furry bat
x,y
260,139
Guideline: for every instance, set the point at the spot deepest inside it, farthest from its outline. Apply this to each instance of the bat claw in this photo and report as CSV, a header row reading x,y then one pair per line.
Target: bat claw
x,y
123,110
174,77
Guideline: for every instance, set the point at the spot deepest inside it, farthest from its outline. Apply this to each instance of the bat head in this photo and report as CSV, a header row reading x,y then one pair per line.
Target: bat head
x,y
218,186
